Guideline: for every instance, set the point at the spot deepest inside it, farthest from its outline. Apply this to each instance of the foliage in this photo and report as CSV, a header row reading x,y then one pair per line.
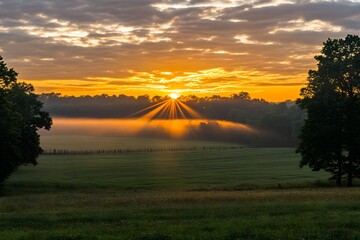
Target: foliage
x,y
21,116
331,136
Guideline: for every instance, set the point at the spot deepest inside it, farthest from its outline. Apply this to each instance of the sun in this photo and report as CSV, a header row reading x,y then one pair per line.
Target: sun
x,y
174,95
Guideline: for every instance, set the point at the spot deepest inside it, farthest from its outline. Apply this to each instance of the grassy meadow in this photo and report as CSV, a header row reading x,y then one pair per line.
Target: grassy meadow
x,y
242,193
109,214
188,170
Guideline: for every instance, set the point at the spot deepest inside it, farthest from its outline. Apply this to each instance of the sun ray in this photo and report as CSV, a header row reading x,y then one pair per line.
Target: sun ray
x,y
163,113
194,114
181,112
145,109
150,115
172,108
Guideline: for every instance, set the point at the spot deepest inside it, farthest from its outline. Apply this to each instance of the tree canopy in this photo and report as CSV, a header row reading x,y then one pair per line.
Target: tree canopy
x,y
21,116
330,138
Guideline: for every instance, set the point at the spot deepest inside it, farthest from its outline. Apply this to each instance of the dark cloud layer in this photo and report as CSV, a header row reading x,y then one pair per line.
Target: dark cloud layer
x,y
168,45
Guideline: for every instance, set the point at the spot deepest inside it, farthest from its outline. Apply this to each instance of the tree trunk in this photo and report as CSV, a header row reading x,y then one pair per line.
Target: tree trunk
x,y
339,173
351,124
350,170
1,190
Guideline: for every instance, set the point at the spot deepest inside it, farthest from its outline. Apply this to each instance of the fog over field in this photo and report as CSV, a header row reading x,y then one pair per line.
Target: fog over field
x,y
176,129
199,129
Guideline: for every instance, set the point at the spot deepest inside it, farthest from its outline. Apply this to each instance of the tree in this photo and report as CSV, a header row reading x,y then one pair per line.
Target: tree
x,y
21,116
330,138
241,95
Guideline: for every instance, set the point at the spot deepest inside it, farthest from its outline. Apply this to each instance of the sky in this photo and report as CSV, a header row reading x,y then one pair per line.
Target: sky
x,y
159,47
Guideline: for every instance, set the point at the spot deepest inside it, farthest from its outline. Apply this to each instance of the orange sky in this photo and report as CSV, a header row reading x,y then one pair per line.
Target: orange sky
x,y
156,47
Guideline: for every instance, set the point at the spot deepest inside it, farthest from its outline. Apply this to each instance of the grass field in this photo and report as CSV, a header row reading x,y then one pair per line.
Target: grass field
x,y
210,169
108,214
176,195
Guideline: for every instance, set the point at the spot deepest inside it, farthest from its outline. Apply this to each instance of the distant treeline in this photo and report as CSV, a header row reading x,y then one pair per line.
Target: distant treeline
x,y
282,121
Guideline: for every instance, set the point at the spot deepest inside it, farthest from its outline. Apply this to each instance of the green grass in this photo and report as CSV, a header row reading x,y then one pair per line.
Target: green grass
x,y
212,169
176,195
108,214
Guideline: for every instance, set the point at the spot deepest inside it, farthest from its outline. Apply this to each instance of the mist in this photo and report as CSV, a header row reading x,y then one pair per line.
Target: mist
x,y
180,129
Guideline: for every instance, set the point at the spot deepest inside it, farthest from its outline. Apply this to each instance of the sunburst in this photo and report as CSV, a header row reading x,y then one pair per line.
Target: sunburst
x,y
171,108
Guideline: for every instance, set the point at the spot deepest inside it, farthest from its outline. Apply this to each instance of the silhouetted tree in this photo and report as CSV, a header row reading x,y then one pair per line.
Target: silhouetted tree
x,y
241,95
21,116
156,98
330,139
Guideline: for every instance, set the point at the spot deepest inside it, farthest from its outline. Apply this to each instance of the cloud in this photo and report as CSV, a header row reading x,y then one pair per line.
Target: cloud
x,y
53,44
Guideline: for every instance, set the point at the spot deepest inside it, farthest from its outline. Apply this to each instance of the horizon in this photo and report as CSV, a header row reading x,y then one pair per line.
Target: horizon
x,y
156,98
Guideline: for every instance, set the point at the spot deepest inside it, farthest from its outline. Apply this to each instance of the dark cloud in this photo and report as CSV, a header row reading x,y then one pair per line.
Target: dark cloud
x,y
86,39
